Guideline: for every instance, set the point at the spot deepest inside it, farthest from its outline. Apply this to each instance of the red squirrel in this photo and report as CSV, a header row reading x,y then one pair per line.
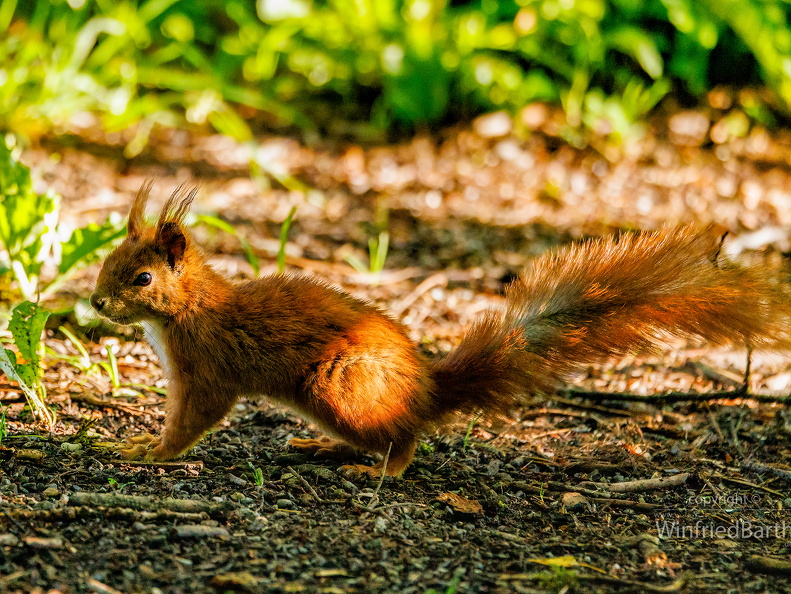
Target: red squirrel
x,y
352,370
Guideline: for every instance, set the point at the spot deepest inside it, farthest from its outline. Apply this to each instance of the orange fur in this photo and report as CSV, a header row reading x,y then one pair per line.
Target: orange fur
x,y
347,366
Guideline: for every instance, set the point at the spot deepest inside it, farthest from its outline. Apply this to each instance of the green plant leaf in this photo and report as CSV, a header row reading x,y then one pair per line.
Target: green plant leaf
x,y
84,245
9,366
419,92
281,252
26,325
639,45
218,223
26,221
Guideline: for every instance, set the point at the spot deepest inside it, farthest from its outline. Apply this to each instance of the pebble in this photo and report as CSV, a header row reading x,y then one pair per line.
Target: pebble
x,y
572,500
535,115
236,480
8,540
493,125
199,531
51,492
689,127
71,448
37,542
291,459
30,455
286,504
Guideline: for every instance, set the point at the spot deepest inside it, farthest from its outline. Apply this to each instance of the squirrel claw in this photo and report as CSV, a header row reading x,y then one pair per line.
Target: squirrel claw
x,y
143,438
140,447
360,470
134,453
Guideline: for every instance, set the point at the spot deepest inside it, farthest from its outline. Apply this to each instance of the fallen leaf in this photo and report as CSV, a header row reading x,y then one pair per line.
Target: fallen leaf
x,y
236,581
460,504
565,561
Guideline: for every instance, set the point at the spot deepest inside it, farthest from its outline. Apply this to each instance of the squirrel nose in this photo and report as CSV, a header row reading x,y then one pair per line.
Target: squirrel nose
x,y
98,302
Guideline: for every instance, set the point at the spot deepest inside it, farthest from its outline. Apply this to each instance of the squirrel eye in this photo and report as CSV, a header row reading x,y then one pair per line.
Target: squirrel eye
x,y
143,279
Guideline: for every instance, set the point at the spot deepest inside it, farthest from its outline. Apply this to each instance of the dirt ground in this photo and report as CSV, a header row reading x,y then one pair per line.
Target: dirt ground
x,y
627,480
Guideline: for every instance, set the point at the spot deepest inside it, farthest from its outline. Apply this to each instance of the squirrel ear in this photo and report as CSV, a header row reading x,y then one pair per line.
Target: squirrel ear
x,y
134,226
172,238
170,234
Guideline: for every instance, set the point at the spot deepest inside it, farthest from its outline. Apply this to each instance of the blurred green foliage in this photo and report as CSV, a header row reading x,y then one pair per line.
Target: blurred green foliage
x,y
366,67
33,238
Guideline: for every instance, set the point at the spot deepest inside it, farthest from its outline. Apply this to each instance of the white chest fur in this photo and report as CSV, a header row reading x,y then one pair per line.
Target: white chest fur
x,y
155,337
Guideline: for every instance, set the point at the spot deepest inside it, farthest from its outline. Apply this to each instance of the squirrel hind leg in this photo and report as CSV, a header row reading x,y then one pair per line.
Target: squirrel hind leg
x,y
324,447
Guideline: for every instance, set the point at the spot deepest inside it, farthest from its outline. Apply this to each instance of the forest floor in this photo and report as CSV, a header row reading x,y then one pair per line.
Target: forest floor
x,y
614,489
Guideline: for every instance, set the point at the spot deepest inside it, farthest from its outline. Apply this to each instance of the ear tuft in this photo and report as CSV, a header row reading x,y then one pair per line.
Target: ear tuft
x,y
177,205
136,222
170,233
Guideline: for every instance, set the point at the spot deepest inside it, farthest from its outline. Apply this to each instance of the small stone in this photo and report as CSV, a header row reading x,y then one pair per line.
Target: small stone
x,y
291,459
242,581
285,504
573,500
461,504
43,543
689,127
71,448
8,540
30,455
237,496
200,531
493,125
534,115
236,480
51,492
725,543
350,486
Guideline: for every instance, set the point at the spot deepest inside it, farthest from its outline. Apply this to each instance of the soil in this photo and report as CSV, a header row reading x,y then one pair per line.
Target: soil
x,y
653,473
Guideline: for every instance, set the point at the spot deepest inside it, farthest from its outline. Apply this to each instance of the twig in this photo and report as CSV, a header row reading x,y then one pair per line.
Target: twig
x,y
635,586
552,433
11,519
589,407
771,565
559,412
720,376
146,503
7,579
639,506
744,483
435,280
67,514
306,484
716,425
95,401
671,397
102,588
196,465
643,485
748,368
372,504
758,467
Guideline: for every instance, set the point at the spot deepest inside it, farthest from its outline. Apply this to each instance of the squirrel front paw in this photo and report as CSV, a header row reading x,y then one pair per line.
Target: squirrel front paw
x,y
141,446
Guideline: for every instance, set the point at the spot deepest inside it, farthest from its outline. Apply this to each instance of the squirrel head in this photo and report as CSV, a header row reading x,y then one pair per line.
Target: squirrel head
x,y
144,278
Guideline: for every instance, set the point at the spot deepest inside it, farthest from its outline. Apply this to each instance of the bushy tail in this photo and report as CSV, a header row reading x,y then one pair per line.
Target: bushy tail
x,y
604,298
